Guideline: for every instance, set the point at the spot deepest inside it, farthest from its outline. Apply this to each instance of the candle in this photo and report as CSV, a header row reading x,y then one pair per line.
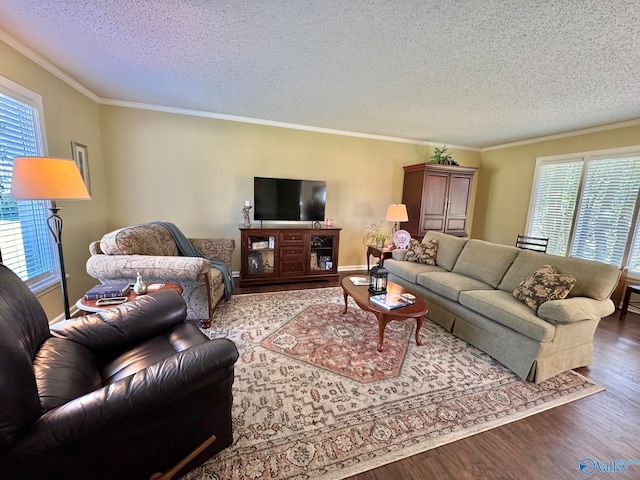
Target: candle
x,y
247,203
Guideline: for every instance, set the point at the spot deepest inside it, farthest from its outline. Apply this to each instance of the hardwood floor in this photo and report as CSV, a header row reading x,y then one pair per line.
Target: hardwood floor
x,y
604,427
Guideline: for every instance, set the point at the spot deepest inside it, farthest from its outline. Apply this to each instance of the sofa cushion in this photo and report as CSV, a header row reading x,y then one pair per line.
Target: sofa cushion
x,y
593,279
422,252
146,239
501,307
485,261
449,284
449,247
545,284
409,271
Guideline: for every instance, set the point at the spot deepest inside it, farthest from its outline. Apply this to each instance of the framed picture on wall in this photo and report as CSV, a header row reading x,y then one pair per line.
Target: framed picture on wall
x,y
81,157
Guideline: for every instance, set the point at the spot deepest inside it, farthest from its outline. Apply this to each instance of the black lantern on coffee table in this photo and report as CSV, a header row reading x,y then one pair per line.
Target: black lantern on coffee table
x,y
378,279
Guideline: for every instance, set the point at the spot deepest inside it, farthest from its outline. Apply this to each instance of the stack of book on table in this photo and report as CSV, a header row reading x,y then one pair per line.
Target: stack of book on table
x,y
393,300
109,290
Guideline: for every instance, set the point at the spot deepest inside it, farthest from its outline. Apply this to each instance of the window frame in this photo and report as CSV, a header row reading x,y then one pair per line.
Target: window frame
x,y
585,158
50,280
536,185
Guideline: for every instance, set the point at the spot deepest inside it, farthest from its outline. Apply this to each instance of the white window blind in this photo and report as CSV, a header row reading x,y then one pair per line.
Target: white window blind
x,y
607,203
554,203
588,206
634,257
25,240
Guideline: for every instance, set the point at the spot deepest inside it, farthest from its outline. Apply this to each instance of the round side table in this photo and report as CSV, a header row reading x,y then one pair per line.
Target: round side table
x,y
89,306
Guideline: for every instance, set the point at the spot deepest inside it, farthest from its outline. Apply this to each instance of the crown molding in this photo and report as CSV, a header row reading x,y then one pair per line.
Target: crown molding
x,y
273,123
450,146
573,133
46,64
256,121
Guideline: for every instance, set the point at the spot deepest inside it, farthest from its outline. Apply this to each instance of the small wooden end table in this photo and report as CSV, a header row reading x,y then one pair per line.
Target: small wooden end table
x,y
627,300
361,294
89,306
380,253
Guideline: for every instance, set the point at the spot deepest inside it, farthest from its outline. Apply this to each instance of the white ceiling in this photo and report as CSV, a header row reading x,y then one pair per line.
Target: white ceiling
x,y
460,72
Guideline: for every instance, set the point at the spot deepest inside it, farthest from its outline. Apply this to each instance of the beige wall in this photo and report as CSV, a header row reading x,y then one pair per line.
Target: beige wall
x,y
506,175
69,115
197,172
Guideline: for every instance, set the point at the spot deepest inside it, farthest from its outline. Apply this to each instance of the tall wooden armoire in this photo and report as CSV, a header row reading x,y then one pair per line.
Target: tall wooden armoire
x,y
437,198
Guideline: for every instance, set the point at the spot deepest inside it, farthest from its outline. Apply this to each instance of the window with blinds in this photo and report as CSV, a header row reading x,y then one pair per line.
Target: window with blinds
x,y
634,257
588,207
25,240
554,198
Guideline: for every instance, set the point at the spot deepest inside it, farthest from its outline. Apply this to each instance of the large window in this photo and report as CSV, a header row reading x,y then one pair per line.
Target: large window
x,y
588,206
25,240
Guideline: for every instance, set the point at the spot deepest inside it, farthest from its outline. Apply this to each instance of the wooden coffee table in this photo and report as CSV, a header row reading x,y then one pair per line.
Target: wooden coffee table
x,y
361,294
89,306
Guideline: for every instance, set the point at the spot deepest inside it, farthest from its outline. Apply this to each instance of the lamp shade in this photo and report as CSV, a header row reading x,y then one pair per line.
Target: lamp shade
x,y
43,178
397,212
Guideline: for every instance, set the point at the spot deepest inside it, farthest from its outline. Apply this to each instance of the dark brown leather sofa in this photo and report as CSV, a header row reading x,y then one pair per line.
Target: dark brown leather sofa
x,y
120,394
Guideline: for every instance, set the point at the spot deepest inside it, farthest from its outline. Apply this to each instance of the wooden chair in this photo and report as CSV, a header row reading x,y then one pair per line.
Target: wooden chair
x,y
538,244
635,289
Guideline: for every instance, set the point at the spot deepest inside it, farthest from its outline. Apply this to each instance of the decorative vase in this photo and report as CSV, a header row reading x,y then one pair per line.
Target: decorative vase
x,y
140,288
379,243
245,215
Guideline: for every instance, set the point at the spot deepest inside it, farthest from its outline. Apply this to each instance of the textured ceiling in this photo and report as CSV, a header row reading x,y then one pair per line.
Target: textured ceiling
x,y
462,72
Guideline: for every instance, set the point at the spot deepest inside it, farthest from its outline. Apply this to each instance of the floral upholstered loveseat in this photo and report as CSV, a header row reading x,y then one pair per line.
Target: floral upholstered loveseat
x,y
150,249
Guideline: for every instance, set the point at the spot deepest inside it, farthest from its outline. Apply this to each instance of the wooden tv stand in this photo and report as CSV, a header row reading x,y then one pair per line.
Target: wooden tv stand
x,y
288,254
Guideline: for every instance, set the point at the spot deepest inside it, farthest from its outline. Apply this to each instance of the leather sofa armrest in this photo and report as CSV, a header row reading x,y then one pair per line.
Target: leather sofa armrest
x,y
575,309
217,248
97,419
121,327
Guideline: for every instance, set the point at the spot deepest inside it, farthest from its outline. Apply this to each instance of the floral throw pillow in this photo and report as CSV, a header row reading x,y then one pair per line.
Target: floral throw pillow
x,y
422,252
545,284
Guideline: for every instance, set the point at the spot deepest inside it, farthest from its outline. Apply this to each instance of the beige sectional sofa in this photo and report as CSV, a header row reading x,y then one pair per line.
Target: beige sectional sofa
x,y
470,293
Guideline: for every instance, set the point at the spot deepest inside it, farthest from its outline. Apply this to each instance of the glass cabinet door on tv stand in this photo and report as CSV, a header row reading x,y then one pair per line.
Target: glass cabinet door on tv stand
x,y
321,253
260,259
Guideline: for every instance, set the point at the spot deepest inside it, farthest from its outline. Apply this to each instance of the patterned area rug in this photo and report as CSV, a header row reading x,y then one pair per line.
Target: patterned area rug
x,y
314,399
322,336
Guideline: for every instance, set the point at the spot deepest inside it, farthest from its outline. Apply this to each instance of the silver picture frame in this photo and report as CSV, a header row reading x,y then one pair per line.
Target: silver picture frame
x,y
80,155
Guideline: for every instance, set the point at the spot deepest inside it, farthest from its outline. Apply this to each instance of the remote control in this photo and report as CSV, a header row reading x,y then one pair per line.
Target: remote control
x,y
110,301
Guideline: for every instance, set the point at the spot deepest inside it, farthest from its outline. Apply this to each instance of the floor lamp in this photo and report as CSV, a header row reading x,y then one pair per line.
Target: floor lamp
x,y
42,178
397,212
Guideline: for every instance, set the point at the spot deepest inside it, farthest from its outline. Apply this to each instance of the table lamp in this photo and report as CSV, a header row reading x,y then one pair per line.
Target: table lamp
x,y
42,178
397,212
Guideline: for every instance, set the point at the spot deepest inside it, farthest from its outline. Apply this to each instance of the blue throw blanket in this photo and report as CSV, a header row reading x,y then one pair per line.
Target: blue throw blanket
x,y
186,249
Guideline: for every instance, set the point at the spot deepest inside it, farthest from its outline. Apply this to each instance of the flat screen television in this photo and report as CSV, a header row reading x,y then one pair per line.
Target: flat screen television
x,y
287,199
